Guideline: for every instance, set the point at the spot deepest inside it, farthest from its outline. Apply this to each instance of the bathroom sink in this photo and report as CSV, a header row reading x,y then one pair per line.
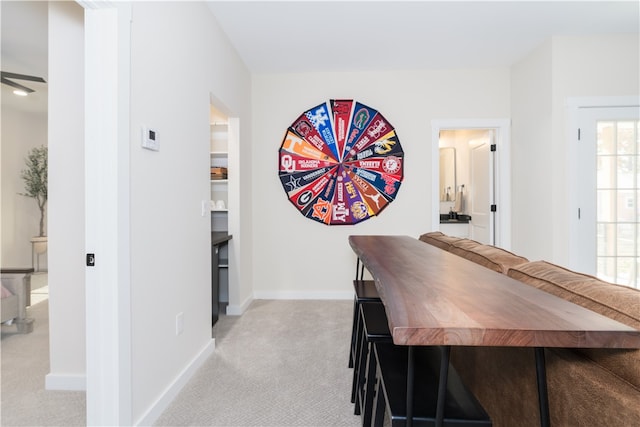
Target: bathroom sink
x,y
461,219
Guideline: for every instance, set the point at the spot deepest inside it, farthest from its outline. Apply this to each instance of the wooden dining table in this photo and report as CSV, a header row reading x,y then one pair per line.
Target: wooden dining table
x,y
435,298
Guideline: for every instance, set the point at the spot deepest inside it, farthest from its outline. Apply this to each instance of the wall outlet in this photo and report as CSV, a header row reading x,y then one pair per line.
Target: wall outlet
x,y
179,323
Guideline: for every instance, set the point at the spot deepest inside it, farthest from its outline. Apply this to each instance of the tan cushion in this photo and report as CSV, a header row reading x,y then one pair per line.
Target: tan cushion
x,y
439,239
584,393
617,302
581,392
497,259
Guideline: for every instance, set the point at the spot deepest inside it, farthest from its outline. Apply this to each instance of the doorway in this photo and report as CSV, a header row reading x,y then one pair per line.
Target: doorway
x,y
482,177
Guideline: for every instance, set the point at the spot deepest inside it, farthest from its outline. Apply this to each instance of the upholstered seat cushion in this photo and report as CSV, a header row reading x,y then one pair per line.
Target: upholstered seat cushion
x,y
617,302
439,239
497,259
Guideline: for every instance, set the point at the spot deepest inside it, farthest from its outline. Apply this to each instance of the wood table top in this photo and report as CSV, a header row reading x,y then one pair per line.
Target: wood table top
x,y
433,297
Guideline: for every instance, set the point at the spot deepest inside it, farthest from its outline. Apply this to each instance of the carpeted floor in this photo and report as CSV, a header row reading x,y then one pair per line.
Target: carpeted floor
x,y
25,363
283,363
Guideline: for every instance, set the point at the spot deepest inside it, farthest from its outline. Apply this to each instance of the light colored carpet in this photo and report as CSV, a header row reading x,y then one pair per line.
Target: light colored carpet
x,y
39,287
25,363
283,363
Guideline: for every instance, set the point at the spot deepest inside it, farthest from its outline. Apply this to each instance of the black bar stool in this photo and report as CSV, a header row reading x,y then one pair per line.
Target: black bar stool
x,y
375,329
365,291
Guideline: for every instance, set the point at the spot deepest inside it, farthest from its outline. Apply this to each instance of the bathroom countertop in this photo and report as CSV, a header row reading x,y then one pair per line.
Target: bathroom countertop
x,y
459,219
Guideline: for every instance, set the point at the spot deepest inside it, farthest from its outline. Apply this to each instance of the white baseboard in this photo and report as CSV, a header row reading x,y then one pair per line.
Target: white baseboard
x,y
65,382
302,295
238,310
163,402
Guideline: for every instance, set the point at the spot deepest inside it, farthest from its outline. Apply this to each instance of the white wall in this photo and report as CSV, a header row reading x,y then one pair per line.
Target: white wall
x,y
562,68
66,197
178,57
531,144
298,257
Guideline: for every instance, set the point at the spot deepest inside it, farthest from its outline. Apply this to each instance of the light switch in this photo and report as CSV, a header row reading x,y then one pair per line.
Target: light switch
x,y
150,139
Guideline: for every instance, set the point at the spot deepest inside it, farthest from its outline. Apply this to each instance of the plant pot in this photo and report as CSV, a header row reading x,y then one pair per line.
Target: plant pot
x,y
39,244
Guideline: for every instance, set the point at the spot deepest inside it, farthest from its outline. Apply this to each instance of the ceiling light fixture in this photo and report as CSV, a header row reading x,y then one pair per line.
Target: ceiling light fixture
x,y
20,92
7,78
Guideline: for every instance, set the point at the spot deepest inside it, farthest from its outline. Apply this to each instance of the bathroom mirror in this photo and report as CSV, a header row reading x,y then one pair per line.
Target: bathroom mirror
x,y
447,174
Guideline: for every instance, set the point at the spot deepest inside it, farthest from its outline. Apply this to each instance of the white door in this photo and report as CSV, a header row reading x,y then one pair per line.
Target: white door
x,y
481,192
606,242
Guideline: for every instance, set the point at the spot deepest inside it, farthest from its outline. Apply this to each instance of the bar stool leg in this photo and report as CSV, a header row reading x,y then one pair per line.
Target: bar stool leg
x,y
410,379
541,376
353,334
368,388
445,351
378,405
358,357
359,373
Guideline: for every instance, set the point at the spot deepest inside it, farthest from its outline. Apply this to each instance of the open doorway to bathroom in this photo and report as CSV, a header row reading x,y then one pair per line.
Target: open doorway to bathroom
x,y
467,183
471,194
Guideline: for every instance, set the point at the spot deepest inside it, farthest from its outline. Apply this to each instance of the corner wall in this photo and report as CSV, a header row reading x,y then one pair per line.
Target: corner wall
x,y
562,68
593,66
178,58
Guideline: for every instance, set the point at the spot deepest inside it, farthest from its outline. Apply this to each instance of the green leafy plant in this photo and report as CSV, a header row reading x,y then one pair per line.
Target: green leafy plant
x,y
35,179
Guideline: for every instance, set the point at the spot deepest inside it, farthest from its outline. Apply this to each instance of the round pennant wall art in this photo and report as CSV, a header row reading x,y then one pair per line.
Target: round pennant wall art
x,y
340,162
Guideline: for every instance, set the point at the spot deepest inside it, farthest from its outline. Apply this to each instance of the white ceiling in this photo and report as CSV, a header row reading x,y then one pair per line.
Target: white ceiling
x,y
24,51
307,36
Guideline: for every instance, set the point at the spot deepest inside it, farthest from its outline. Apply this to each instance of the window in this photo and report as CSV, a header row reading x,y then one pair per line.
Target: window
x,y
617,216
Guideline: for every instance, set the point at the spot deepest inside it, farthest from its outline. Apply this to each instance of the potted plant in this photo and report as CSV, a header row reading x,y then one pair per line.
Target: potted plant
x,y
35,182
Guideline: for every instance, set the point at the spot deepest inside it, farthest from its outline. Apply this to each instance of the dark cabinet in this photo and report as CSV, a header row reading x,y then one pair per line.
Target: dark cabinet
x,y
218,240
